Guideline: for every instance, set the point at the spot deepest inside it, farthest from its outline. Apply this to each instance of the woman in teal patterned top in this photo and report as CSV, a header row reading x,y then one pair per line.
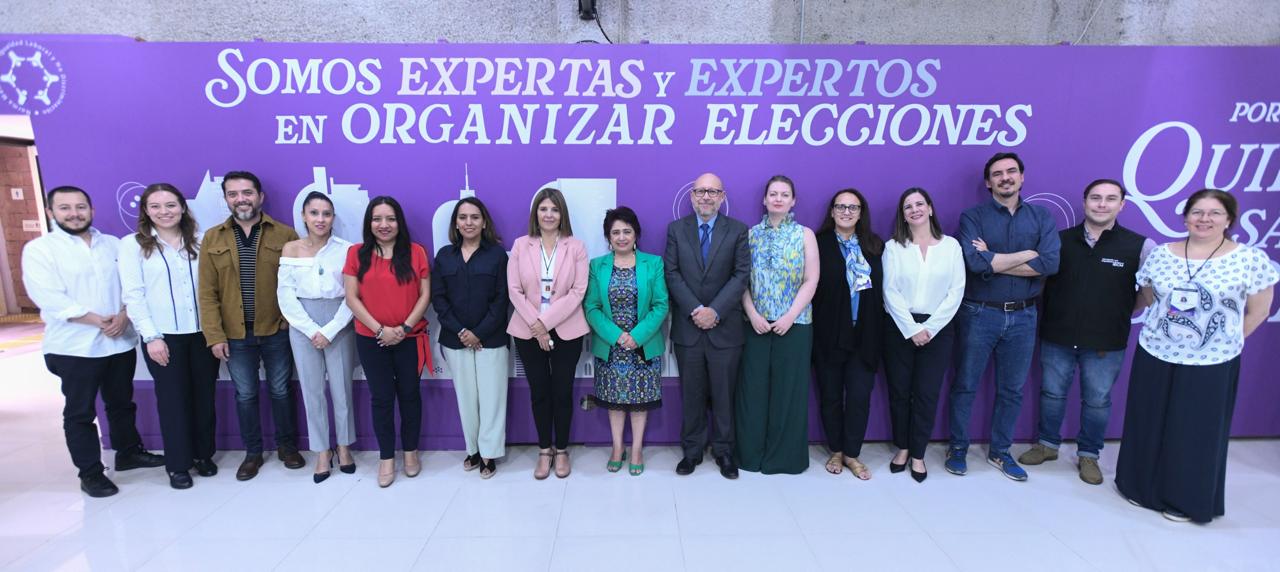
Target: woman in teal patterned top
x,y
771,409
626,303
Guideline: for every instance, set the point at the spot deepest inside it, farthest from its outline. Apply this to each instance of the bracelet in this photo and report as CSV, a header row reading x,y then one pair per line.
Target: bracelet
x,y
378,334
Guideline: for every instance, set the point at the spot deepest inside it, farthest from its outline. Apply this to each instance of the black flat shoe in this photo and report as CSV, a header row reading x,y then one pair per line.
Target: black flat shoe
x,y
138,459
205,467
687,465
488,468
180,480
98,486
728,468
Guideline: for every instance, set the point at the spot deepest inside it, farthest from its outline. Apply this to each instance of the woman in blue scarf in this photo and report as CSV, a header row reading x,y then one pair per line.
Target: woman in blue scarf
x,y
848,314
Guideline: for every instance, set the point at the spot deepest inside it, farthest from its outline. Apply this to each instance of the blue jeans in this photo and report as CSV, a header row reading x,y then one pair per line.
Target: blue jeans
x,y
1098,372
980,331
276,357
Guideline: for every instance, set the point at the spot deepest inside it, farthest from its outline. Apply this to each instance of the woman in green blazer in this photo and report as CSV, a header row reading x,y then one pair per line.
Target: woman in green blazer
x,y
626,303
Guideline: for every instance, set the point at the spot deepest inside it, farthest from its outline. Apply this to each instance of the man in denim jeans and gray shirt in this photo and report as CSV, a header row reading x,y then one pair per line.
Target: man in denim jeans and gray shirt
x,y
1009,247
1087,306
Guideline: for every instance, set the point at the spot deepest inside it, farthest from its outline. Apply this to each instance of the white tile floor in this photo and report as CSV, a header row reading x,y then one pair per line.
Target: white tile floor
x,y
450,520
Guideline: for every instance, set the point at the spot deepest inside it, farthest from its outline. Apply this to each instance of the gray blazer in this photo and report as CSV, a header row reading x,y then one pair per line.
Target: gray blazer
x,y
718,285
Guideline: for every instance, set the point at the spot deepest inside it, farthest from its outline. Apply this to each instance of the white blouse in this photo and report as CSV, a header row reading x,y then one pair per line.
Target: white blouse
x,y
916,284
319,277
160,290
1210,328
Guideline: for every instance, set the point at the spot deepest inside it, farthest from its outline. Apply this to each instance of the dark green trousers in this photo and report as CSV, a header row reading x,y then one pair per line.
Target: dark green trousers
x,y
771,408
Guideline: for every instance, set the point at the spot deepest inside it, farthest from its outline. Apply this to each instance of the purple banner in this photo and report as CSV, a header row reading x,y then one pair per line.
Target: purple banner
x,y
635,124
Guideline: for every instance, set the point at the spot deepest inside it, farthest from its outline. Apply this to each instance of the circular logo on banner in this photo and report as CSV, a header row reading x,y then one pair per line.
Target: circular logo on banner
x,y
31,78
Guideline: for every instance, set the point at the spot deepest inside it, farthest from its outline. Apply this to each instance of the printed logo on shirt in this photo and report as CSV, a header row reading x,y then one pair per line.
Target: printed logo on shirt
x,y
1113,262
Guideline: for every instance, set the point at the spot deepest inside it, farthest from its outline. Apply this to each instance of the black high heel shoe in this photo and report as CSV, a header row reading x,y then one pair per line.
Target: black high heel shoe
x,y
896,468
919,476
320,477
349,469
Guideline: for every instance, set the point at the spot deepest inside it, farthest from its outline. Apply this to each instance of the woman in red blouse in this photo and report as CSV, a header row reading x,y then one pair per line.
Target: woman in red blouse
x,y
388,287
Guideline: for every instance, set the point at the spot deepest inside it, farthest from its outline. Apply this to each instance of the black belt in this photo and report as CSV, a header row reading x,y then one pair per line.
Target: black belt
x,y
1006,306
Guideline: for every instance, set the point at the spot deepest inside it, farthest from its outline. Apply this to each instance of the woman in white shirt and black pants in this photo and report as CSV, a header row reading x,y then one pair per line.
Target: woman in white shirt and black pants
x,y
312,298
158,279
923,285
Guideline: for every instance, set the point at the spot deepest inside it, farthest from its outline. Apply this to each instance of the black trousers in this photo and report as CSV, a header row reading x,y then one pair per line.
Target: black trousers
x,y
392,374
185,399
915,379
550,376
844,401
82,380
708,378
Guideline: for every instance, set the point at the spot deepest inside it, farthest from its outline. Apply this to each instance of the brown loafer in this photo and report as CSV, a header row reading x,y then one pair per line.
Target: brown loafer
x,y
249,468
291,458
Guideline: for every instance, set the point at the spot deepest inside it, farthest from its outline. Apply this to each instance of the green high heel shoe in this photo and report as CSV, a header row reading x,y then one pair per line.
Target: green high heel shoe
x,y
615,466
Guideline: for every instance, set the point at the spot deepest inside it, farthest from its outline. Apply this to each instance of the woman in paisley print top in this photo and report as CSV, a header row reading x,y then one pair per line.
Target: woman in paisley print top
x,y
1208,293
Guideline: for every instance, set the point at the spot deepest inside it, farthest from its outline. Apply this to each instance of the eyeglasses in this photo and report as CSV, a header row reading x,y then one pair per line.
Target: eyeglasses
x,y
1214,214
707,192
847,208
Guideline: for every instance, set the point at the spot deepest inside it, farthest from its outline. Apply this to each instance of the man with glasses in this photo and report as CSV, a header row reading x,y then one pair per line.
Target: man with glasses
x,y
1009,247
707,267
1087,306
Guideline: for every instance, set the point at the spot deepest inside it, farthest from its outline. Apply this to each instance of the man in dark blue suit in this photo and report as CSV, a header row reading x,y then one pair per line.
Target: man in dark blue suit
x,y
707,267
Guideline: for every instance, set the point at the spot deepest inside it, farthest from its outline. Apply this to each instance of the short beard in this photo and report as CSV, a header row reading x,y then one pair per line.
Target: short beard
x,y
75,232
245,217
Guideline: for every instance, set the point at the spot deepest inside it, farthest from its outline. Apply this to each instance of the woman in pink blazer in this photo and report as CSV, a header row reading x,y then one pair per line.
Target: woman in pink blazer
x,y
547,279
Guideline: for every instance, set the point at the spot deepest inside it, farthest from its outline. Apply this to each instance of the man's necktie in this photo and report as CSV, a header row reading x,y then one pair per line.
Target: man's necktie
x,y
705,240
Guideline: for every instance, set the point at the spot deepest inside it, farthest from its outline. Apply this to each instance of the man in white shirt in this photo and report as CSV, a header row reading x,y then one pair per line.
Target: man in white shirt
x,y
89,342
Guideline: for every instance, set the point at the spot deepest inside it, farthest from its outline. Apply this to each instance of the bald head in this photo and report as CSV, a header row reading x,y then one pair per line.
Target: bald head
x,y
707,194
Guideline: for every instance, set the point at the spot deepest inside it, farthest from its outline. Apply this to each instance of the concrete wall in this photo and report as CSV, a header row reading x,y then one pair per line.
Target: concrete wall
x,y
1105,22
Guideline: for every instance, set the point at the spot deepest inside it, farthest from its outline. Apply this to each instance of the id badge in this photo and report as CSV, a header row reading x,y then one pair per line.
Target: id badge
x,y
1185,299
546,290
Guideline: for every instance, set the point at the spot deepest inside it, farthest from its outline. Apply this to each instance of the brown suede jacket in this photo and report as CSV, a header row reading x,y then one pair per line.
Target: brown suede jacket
x,y
221,304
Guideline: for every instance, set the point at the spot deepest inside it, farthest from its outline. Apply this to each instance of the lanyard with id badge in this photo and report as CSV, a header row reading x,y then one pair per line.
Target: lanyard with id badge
x,y
547,279
1185,297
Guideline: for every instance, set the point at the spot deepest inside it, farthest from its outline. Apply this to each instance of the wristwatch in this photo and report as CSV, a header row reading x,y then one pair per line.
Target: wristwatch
x,y
407,329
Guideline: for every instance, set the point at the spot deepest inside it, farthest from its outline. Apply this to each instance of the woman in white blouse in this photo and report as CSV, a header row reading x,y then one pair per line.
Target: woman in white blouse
x,y
313,300
923,285
1208,294
158,279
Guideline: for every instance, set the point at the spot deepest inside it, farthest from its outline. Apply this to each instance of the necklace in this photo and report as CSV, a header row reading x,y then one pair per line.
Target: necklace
x,y
1186,251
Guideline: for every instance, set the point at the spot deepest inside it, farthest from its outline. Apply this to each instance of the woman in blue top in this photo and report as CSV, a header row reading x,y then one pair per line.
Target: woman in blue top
x,y
772,402
626,302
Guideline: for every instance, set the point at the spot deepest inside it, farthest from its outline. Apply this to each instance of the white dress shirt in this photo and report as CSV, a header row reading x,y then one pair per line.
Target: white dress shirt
x,y
160,290
916,284
67,279
314,278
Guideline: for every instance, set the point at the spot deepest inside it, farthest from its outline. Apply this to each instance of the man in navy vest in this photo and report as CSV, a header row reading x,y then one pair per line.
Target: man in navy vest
x,y
1087,306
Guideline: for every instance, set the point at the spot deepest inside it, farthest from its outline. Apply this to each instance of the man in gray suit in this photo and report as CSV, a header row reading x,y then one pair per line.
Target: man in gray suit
x,y
707,266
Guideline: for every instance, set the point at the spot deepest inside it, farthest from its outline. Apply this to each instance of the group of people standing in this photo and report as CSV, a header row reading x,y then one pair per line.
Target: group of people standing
x,y
753,310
